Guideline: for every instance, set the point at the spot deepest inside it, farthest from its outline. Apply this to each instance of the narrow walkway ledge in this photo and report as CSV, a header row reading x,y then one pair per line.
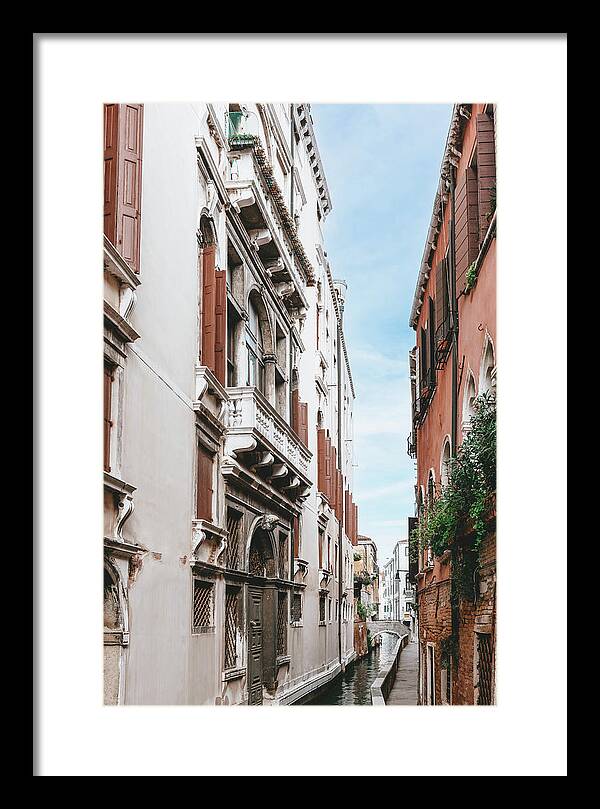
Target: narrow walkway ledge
x,y
383,685
404,688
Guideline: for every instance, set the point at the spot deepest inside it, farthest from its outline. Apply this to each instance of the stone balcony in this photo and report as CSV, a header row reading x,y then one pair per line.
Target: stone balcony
x,y
262,441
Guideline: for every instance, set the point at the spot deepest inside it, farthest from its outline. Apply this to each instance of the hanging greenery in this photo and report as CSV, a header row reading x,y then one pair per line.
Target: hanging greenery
x,y
460,510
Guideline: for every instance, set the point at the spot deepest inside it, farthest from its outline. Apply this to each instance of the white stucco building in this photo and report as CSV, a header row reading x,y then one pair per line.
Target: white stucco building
x,y
398,594
229,520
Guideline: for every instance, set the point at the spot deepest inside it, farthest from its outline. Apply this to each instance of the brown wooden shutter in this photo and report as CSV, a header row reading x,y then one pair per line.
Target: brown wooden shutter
x,y
347,513
108,380
129,183
431,326
204,496
303,426
467,226
340,496
356,525
111,155
423,348
486,169
321,460
328,473
296,532
333,498
220,324
295,419
208,306
442,303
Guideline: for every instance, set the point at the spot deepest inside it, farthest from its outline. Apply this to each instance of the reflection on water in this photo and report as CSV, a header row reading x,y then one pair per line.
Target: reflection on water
x,y
354,686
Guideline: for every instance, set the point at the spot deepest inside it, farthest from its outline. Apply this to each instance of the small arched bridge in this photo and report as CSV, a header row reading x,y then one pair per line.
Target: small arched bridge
x,y
395,627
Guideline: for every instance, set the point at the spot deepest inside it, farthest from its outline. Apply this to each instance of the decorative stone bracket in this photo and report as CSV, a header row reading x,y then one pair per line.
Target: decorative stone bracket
x,y
300,567
208,542
325,577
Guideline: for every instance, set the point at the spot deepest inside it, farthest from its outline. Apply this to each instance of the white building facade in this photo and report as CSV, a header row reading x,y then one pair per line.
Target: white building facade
x,y
398,594
228,396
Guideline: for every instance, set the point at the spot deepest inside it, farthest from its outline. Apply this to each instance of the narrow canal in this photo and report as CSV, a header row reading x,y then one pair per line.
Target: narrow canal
x,y
354,686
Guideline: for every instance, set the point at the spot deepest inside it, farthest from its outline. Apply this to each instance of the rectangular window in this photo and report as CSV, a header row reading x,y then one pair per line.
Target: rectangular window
x,y
282,622
284,551
484,668
232,600
297,608
108,384
430,676
232,321
204,493
321,544
329,610
202,615
322,609
234,525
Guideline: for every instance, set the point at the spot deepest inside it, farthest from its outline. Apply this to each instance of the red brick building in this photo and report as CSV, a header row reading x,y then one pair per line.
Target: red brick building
x,y
452,364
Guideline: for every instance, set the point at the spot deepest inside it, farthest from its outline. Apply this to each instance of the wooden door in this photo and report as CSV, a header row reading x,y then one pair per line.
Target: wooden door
x,y
255,644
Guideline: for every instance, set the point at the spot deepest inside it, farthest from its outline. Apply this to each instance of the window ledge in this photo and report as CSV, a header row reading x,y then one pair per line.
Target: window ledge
x,y
296,624
233,674
282,660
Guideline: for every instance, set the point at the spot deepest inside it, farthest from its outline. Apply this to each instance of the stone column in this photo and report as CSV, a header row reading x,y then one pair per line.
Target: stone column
x,y
269,360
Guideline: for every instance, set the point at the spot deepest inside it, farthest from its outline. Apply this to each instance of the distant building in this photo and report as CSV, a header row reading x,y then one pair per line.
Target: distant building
x,y
398,599
366,576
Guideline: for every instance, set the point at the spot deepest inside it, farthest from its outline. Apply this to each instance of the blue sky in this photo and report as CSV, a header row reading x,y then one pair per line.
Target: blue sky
x,y
382,166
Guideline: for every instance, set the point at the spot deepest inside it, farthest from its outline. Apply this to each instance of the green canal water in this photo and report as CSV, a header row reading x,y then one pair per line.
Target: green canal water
x,y
354,686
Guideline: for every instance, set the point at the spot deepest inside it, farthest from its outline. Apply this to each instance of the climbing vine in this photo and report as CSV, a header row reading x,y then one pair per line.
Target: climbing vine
x,y
461,508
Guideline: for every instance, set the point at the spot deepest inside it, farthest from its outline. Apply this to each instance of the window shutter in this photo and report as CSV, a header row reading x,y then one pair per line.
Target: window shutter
x,y
108,380
296,532
303,434
442,302
204,496
467,226
333,499
328,491
321,460
295,412
111,159
220,324
432,346
129,183
355,525
486,169
208,306
347,519
340,495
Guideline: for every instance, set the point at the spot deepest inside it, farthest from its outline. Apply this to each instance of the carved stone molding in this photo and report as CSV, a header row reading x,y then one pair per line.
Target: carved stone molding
x,y
268,522
300,567
239,442
208,542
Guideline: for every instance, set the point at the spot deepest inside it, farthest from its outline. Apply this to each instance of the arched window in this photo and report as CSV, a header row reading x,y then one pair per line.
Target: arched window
x,y
254,343
468,402
445,464
430,488
487,372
